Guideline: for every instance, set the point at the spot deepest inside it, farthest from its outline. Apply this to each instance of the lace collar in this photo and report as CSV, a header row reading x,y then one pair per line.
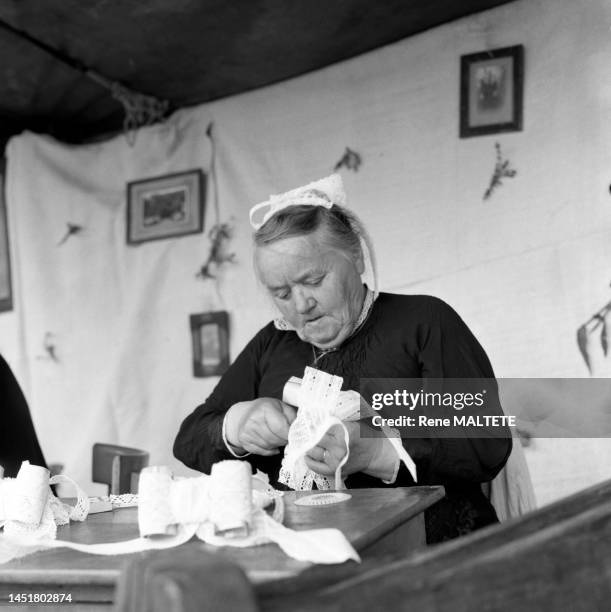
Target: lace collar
x,y
370,297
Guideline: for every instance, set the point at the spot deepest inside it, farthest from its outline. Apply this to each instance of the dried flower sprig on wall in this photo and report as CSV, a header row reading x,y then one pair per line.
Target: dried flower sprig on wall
x,y
586,335
502,169
49,347
351,160
220,236
73,230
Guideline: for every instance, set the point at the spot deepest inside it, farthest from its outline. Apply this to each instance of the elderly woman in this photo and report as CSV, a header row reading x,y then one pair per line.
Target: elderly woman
x,y
309,256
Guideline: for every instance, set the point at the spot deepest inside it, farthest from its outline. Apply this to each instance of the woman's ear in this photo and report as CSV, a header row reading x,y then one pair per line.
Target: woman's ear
x,y
360,262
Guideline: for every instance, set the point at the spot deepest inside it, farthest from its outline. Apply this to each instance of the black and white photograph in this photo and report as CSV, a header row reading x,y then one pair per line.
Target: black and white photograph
x,y
305,306
491,91
210,335
165,206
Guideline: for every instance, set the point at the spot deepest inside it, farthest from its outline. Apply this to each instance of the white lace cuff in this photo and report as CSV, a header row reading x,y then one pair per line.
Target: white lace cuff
x,y
229,447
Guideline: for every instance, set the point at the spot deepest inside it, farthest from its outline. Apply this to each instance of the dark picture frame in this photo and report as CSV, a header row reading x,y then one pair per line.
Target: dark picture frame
x,y
6,291
166,206
491,91
210,341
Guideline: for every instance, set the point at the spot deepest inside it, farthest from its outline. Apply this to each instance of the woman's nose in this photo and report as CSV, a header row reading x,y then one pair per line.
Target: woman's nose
x,y
303,302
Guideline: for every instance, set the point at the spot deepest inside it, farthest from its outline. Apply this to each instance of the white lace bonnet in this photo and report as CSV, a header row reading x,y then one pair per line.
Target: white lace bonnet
x,y
325,192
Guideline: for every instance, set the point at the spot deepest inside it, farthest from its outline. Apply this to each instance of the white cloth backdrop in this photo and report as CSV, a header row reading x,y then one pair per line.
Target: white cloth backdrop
x,y
118,314
524,268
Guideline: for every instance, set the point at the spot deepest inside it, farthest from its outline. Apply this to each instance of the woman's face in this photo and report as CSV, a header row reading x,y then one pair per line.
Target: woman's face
x,y
316,287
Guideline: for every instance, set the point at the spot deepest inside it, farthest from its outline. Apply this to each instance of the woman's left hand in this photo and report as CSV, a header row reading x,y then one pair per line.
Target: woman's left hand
x,y
331,449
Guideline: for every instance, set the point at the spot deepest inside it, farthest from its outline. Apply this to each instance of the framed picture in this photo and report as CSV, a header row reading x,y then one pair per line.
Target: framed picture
x,y
491,84
6,294
165,206
210,338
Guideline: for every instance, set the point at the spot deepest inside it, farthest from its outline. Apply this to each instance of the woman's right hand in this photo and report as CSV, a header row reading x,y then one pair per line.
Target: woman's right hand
x,y
259,426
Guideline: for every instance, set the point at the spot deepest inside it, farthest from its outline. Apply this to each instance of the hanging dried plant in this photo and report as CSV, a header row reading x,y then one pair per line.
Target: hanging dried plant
x,y
49,347
351,160
73,230
584,333
220,236
502,169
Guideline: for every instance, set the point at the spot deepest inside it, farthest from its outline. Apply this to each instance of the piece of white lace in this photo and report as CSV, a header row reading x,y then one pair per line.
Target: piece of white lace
x,y
223,509
28,507
318,401
324,192
321,405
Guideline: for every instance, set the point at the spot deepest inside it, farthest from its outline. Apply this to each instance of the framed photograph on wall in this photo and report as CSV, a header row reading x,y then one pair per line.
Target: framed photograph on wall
x,y
6,294
491,87
210,339
166,206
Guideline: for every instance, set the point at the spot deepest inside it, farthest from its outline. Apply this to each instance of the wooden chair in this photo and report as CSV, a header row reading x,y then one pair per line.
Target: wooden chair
x,y
118,467
183,580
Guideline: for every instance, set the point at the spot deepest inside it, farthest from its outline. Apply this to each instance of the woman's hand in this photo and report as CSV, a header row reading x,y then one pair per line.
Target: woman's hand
x,y
364,453
259,426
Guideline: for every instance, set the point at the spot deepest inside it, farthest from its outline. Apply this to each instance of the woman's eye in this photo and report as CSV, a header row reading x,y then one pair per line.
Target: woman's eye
x,y
315,281
282,295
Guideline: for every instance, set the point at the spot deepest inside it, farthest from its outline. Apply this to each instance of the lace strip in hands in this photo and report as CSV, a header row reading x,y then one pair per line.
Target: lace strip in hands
x,y
321,405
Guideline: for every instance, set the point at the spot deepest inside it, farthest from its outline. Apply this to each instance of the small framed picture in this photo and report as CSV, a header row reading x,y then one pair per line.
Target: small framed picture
x,y
210,338
6,294
165,206
491,85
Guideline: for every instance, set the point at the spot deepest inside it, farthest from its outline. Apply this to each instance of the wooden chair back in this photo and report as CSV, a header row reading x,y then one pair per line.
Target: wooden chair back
x,y
183,580
118,467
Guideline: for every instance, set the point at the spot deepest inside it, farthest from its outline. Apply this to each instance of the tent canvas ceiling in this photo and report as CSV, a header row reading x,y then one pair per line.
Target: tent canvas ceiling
x,y
184,51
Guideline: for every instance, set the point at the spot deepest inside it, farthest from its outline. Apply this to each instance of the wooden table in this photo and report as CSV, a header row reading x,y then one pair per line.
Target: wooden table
x,y
375,521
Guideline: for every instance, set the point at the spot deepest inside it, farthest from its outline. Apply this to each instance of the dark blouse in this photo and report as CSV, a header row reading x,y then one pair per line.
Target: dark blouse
x,y
403,337
18,440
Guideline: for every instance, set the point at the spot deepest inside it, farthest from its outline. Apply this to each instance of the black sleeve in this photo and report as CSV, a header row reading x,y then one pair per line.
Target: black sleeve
x,y
448,349
199,442
18,441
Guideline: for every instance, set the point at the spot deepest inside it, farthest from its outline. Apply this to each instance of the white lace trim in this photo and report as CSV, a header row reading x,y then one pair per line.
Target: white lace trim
x,y
322,404
323,192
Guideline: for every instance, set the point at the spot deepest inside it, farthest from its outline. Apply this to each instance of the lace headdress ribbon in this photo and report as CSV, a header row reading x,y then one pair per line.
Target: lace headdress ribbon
x,y
324,192
225,508
322,405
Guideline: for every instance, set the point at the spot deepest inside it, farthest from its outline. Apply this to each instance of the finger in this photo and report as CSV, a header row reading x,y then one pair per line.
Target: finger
x,y
277,423
327,440
258,450
319,467
263,438
290,412
336,432
253,442
317,453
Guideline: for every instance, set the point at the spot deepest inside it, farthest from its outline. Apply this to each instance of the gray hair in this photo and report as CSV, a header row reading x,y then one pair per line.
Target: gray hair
x,y
344,228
